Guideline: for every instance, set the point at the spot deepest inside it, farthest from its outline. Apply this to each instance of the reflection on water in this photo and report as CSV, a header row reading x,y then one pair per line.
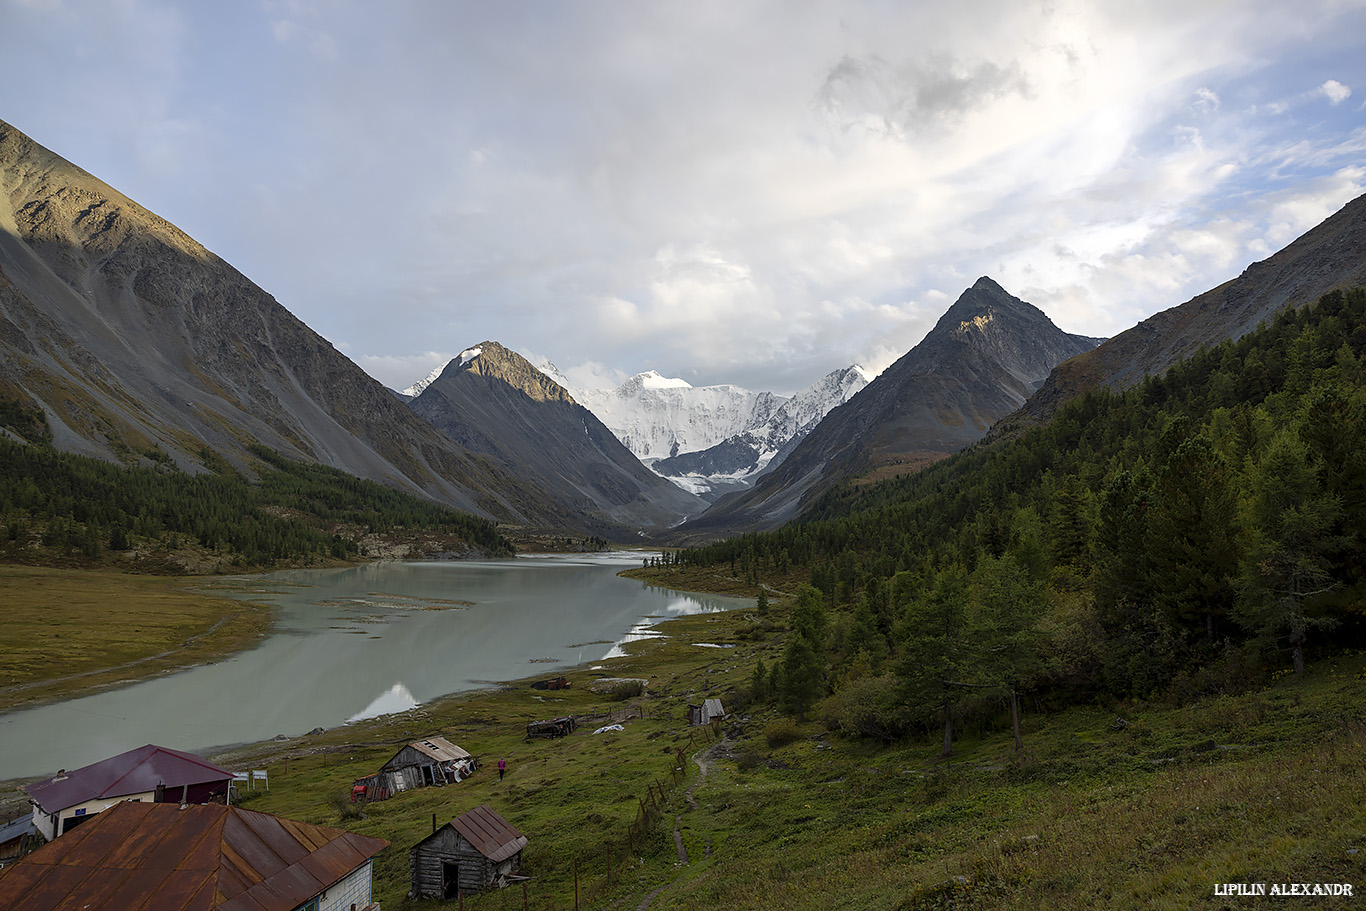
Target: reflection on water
x,y
397,698
359,642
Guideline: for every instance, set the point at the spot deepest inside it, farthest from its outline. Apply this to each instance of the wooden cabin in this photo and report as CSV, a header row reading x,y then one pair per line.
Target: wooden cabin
x,y
17,838
434,761
710,710
476,851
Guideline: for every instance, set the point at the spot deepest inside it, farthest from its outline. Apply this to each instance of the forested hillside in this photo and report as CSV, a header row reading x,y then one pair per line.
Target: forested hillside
x,y
1190,535
57,507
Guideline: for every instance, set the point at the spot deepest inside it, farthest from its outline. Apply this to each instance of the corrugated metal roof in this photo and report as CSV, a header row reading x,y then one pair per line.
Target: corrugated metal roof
x,y
134,772
439,748
492,835
16,829
146,857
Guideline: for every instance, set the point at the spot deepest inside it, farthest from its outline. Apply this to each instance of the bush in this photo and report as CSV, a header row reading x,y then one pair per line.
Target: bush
x,y
626,689
749,758
866,707
781,733
345,807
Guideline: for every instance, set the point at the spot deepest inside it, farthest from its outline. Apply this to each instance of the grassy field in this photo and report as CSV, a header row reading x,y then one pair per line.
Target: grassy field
x,y
69,631
1263,787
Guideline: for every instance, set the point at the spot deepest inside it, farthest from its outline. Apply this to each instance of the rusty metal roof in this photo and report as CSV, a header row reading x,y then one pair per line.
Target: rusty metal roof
x,y
148,857
492,835
439,748
134,772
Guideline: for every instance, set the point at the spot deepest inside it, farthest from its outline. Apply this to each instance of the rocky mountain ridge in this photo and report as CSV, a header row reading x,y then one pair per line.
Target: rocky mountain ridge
x,y
1329,256
737,461
658,417
139,345
492,401
984,358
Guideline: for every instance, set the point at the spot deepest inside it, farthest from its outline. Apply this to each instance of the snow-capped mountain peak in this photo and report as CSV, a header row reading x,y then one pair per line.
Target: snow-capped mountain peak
x,y
415,390
738,459
652,380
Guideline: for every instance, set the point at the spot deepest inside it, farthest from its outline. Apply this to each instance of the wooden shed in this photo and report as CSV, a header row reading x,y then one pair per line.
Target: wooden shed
x,y
433,761
475,851
710,710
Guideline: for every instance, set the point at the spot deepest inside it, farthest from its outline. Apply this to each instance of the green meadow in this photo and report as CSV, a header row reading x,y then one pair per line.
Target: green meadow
x,y
1126,804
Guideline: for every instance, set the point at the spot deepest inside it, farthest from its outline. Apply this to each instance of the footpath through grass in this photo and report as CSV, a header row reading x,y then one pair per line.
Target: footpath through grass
x,y
1155,812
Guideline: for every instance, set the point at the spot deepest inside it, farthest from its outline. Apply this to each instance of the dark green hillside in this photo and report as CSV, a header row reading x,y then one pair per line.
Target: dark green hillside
x,y
73,510
1183,537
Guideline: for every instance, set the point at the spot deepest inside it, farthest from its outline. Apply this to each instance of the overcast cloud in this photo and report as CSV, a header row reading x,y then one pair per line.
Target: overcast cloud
x,y
732,192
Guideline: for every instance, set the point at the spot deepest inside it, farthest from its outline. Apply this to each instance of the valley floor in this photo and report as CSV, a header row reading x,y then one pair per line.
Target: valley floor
x,y
1158,811
70,631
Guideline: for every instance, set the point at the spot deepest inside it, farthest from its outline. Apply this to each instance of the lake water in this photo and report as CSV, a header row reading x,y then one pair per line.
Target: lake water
x,y
358,642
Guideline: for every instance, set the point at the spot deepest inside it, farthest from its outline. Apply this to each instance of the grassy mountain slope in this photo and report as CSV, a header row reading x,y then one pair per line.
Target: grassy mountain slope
x,y
72,510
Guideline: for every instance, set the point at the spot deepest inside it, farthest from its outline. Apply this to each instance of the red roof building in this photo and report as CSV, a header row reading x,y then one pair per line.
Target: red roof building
x,y
149,774
148,857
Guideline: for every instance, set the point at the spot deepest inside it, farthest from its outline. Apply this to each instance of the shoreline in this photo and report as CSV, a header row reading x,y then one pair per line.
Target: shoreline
x,y
218,626
284,746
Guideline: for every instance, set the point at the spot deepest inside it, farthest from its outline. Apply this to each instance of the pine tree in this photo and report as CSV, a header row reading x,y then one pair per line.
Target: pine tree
x,y
936,652
1291,519
1009,606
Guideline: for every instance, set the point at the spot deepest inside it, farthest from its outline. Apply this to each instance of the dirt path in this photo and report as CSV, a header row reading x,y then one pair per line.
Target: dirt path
x,y
703,759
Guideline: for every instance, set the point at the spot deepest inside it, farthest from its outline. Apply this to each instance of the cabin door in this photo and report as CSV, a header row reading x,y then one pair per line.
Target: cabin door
x,y
450,880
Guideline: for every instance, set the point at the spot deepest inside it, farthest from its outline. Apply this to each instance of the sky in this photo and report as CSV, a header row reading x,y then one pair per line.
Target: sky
x,y
726,191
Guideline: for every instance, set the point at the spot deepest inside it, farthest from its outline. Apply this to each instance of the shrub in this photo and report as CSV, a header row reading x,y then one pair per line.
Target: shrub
x,y
780,733
626,689
345,807
749,758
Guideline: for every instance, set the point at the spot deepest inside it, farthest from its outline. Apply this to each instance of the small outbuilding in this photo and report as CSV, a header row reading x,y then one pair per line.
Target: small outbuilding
x,y
17,838
709,711
434,761
476,851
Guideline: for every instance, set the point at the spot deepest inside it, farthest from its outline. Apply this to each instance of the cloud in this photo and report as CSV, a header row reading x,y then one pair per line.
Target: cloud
x,y
872,94
1206,101
402,371
1335,91
752,193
